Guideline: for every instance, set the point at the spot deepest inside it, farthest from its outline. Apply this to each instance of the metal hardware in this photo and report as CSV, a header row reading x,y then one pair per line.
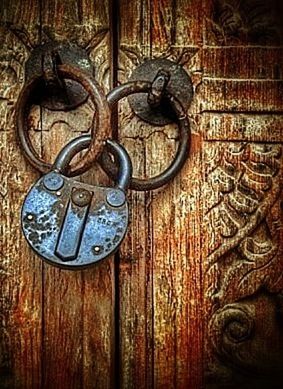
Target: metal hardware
x,y
150,98
55,92
145,87
101,123
72,224
158,88
180,86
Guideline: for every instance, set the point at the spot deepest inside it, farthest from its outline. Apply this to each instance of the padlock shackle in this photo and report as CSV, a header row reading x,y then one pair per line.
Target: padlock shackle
x,y
82,142
124,162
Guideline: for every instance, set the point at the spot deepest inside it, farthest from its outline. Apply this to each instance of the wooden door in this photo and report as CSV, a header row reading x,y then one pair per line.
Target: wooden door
x,y
194,297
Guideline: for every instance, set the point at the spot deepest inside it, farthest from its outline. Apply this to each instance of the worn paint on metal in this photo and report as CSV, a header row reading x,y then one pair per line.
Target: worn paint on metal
x,y
68,235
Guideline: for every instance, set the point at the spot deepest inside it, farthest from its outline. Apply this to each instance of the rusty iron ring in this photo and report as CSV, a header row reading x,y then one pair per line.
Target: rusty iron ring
x,y
184,135
101,122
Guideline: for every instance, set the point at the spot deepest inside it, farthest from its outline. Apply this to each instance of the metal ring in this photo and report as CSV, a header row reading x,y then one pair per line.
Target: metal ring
x,y
101,123
80,143
184,131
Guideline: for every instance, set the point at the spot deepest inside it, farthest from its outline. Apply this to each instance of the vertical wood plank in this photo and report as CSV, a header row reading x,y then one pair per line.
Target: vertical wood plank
x,y
99,288
20,270
177,265
78,306
160,272
135,272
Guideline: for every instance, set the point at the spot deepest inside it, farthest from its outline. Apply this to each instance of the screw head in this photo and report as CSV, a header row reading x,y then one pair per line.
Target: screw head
x,y
53,181
116,198
97,250
81,197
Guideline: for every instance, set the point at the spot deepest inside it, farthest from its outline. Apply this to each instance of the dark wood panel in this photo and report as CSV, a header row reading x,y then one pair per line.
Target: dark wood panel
x,y
240,105
246,23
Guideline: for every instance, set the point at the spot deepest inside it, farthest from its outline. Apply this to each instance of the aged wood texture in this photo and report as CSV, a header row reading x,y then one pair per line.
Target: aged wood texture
x,y
135,267
57,326
187,293
241,123
78,306
243,263
20,270
248,23
160,266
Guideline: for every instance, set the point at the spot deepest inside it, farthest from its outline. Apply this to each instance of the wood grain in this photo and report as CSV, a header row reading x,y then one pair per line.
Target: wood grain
x,y
135,267
20,270
166,300
242,127
78,306
160,268
57,327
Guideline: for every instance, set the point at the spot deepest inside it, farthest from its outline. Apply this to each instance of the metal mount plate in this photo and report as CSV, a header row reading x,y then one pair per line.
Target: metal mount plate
x,y
55,96
179,85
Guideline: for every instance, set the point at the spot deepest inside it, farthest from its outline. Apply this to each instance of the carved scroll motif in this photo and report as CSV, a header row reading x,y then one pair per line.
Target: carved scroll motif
x,y
244,253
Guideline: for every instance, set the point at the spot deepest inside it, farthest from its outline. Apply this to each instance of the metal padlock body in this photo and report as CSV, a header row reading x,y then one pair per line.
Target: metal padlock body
x,y
72,224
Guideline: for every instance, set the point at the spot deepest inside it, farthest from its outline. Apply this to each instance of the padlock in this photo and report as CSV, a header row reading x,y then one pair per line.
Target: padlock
x,y
72,224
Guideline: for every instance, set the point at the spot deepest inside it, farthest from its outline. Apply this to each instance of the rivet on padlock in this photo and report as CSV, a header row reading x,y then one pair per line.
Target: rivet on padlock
x,y
72,224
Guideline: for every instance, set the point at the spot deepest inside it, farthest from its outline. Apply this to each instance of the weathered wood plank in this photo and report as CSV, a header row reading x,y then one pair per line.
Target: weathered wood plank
x,y
20,270
240,79
160,320
226,95
135,274
243,63
176,270
241,127
78,306
176,222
